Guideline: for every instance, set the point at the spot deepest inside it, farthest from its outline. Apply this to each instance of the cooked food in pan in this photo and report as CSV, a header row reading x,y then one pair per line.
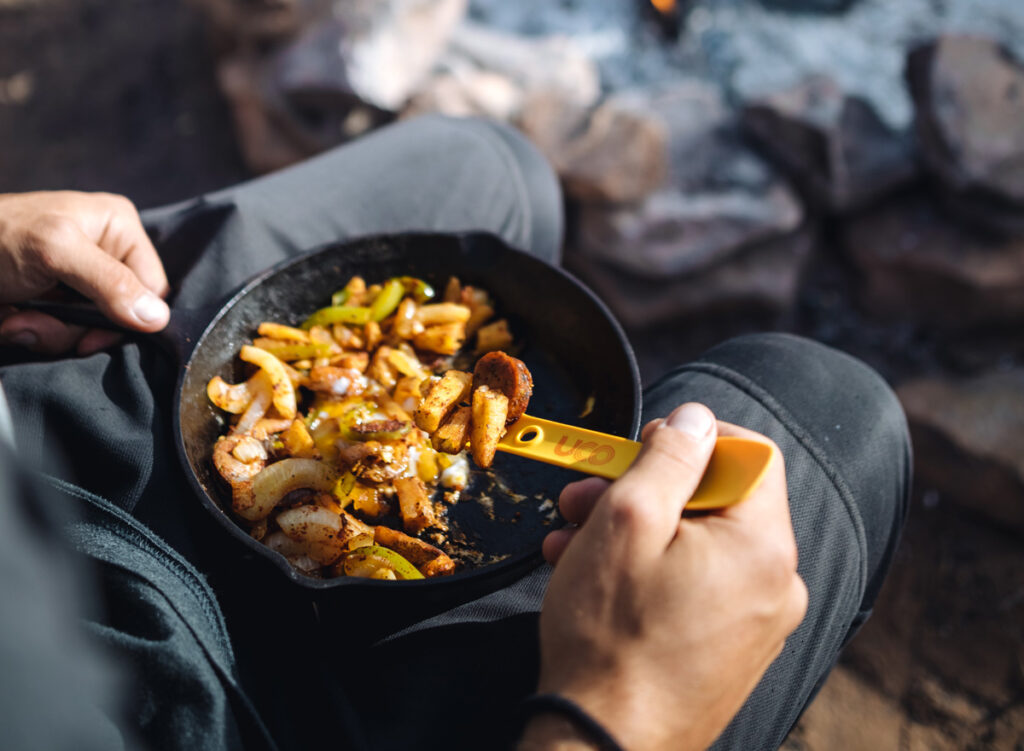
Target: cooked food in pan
x,y
349,437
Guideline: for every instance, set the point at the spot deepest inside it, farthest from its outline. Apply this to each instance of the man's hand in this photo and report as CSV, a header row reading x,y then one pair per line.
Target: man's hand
x,y
93,242
660,627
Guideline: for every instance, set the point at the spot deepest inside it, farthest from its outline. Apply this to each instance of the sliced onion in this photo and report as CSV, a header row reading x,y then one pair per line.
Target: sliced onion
x,y
320,531
261,398
284,392
279,479
233,398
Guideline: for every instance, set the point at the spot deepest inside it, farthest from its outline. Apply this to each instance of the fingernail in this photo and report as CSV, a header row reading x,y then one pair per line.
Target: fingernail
x,y
149,308
24,338
691,419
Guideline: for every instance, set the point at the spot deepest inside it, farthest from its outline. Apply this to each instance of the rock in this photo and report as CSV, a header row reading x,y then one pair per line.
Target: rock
x,y
238,24
883,652
969,99
267,143
810,6
614,154
624,150
967,436
474,93
917,264
302,76
717,195
761,279
389,55
834,146
535,64
930,738
836,719
1008,729
929,696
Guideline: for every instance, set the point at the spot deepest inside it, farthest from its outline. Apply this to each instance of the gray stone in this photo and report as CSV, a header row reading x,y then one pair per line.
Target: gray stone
x,y
918,264
473,93
634,143
967,437
716,198
612,154
761,279
969,97
553,63
835,146
304,75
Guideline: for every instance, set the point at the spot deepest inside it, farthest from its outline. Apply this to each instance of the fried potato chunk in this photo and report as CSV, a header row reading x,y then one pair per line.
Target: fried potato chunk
x,y
297,441
414,504
493,336
509,376
453,388
422,555
490,409
442,312
279,331
451,437
445,338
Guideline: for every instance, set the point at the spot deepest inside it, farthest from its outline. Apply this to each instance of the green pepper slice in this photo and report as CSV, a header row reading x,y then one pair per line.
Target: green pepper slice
x,y
344,487
356,316
291,351
357,562
419,289
387,300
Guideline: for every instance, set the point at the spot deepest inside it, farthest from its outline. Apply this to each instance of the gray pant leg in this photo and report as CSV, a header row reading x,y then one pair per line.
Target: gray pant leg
x,y
848,465
433,173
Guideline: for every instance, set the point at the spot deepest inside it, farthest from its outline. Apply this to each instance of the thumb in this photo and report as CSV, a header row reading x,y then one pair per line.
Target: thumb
x,y
78,262
649,498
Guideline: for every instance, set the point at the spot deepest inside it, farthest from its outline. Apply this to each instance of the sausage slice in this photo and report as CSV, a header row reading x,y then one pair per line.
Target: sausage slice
x,y
506,375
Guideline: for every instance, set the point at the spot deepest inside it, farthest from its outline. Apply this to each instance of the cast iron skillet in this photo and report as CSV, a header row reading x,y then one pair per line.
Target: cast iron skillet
x,y
570,342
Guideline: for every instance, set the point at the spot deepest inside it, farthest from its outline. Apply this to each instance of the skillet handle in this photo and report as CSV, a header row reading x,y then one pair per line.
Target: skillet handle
x,y
178,338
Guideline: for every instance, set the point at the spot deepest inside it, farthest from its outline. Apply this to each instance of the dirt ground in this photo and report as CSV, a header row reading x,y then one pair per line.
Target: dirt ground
x,y
119,95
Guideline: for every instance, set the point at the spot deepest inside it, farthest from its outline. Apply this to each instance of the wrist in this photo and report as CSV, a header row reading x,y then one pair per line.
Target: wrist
x,y
552,732
557,722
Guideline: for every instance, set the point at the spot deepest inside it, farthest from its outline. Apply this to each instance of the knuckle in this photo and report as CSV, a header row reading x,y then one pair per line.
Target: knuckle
x,y
627,509
119,202
775,563
797,605
48,238
49,232
120,286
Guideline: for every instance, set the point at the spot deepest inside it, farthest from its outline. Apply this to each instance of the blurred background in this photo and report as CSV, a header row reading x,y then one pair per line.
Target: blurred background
x,y
850,170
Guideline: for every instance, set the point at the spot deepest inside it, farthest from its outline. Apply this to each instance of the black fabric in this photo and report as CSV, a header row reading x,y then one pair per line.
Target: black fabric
x,y
452,681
